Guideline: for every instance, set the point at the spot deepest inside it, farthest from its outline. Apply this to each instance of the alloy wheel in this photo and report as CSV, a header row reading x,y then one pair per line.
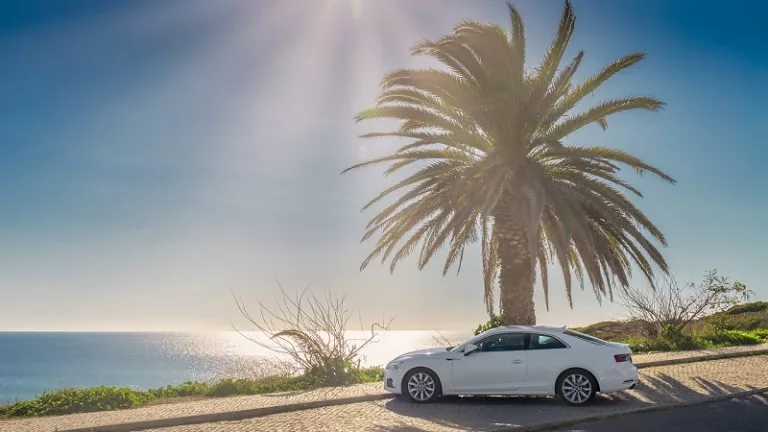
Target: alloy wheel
x,y
421,386
577,388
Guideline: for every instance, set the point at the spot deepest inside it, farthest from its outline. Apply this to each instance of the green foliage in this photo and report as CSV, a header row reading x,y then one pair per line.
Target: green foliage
x,y
371,374
678,340
334,372
672,340
717,323
70,401
232,387
186,389
733,338
495,321
646,345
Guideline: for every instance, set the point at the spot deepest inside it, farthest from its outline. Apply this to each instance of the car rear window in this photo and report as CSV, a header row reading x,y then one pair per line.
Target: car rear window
x,y
585,337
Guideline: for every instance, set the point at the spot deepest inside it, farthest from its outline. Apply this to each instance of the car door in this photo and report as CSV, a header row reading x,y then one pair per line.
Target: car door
x,y
546,356
498,365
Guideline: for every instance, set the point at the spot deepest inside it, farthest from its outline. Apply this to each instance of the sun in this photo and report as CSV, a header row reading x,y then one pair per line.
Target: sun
x,y
357,8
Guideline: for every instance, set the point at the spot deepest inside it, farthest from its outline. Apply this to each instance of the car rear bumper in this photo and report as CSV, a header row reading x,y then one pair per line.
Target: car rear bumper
x,y
621,378
614,386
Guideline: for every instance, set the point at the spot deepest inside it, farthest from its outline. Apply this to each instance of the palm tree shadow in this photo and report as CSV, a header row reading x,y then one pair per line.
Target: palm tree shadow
x,y
489,413
662,388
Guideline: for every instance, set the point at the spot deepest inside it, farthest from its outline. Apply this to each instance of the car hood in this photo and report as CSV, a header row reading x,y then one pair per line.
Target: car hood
x,y
431,352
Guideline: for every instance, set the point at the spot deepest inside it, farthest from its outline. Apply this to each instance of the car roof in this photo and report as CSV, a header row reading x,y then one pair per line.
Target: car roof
x,y
527,329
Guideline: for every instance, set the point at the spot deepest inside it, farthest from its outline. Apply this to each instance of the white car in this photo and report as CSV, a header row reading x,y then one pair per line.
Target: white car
x,y
516,360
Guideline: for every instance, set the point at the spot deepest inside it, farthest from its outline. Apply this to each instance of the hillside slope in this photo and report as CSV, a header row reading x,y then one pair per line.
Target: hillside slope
x,y
747,316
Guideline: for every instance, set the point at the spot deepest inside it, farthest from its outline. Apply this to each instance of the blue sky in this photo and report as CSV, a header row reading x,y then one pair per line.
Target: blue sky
x,y
157,155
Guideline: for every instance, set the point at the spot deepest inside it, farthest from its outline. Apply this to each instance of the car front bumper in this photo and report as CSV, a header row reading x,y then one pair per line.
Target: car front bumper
x,y
392,381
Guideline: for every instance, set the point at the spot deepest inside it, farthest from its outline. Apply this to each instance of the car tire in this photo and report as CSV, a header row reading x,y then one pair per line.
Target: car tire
x,y
576,387
421,385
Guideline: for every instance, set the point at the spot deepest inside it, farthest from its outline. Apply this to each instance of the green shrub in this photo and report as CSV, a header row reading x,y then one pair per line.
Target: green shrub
x,y
495,321
677,339
70,401
189,388
371,374
232,387
644,345
672,340
732,338
718,323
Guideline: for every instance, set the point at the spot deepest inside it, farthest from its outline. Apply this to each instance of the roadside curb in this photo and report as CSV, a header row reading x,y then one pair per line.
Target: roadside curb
x,y
227,416
301,406
660,407
703,357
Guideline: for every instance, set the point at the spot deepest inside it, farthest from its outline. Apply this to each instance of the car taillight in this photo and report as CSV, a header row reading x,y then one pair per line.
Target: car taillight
x,y
620,358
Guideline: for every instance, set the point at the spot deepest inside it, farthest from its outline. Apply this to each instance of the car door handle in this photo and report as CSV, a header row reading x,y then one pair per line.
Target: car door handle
x,y
516,361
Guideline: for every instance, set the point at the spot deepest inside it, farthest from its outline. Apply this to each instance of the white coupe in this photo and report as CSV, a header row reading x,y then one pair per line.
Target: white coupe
x,y
516,360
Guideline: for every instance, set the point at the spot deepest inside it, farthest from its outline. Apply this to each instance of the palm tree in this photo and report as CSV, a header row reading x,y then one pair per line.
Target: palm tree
x,y
489,140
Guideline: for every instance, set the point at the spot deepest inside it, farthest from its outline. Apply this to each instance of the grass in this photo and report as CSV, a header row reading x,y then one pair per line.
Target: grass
x,y
71,401
698,340
744,324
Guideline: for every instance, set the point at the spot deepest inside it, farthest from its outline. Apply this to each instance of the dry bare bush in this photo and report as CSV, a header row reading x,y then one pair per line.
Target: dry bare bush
x,y
313,333
671,303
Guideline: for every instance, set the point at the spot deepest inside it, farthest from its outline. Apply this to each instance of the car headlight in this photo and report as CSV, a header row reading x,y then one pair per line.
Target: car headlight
x,y
394,366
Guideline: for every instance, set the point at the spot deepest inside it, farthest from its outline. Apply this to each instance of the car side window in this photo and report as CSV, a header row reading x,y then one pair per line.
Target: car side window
x,y
541,342
503,342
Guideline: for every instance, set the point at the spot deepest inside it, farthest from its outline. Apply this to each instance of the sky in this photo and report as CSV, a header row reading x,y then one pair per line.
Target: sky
x,y
158,156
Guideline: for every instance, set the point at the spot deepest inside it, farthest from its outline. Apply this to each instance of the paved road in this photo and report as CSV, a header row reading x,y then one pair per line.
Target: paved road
x,y
668,384
735,415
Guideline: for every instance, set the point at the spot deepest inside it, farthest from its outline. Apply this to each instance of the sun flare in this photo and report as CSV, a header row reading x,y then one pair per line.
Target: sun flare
x,y
357,8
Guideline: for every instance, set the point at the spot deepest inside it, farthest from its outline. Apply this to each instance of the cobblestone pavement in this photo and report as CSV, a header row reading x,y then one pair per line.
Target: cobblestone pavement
x,y
183,409
735,415
250,402
661,385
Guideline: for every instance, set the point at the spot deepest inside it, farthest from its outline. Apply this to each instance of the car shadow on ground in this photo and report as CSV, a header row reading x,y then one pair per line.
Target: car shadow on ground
x,y
489,413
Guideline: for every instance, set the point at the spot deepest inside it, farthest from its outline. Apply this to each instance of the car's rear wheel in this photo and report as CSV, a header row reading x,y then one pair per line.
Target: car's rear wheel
x,y
576,387
421,386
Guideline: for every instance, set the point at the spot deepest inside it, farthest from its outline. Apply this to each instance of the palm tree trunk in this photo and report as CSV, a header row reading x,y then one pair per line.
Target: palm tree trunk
x,y
517,275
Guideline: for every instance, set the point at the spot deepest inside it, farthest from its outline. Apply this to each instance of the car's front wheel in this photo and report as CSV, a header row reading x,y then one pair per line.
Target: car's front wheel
x,y
576,387
421,386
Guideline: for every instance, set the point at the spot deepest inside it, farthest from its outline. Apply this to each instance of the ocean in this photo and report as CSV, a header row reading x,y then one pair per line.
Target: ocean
x,y
32,362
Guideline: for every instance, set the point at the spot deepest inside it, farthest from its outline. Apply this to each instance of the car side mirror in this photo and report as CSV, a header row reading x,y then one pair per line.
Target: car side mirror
x,y
469,349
